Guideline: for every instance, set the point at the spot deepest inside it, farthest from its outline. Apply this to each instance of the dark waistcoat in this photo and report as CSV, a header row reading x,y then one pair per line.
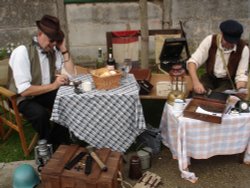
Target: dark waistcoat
x,y
234,58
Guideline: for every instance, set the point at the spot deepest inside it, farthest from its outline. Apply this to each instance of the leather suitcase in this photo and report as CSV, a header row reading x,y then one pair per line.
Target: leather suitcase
x,y
54,175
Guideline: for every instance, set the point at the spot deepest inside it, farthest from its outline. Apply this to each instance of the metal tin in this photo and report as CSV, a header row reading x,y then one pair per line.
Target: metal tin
x,y
145,158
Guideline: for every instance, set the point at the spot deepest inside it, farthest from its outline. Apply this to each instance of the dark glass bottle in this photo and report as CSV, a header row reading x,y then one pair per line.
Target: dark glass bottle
x,y
111,64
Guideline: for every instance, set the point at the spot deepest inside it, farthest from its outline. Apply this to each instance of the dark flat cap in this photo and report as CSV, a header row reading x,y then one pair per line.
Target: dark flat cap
x,y
50,25
231,30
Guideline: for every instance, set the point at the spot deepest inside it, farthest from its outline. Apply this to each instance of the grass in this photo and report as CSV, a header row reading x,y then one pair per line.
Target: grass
x,y
11,150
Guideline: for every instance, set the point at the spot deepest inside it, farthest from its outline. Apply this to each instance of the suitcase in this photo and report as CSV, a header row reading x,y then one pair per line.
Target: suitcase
x,y
54,175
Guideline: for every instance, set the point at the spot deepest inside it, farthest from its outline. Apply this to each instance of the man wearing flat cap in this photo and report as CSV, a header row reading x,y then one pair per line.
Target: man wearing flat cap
x,y
226,59
35,74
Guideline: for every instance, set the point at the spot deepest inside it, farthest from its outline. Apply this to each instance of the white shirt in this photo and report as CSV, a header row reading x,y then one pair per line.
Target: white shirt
x,y
200,56
20,65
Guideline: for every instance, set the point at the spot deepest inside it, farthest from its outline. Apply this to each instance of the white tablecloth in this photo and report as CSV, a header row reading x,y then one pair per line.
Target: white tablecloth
x,y
188,137
112,118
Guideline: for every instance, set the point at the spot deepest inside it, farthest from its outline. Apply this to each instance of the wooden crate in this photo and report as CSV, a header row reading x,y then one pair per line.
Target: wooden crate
x,y
54,175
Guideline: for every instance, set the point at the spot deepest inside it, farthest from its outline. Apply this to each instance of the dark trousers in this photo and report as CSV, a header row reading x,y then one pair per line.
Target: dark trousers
x,y
37,111
215,84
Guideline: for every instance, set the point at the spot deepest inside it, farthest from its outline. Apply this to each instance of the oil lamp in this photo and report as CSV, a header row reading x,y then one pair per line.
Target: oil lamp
x,y
176,73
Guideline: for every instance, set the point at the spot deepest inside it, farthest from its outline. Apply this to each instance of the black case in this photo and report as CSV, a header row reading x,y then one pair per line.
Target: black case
x,y
145,87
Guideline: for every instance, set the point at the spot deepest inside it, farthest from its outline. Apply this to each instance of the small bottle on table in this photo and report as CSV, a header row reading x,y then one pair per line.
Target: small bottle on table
x,y
111,64
99,62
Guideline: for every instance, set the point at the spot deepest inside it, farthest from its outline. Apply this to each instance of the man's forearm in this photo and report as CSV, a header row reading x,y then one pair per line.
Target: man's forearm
x,y
192,72
67,60
34,90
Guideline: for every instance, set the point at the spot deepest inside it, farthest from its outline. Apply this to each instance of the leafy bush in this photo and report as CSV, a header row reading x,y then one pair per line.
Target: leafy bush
x,y
3,53
6,51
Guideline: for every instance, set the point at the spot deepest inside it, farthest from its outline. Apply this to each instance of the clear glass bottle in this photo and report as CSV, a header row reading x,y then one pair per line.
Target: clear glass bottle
x,y
111,64
99,62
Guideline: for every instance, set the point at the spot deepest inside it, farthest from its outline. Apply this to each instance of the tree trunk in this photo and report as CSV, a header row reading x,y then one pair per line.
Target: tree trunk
x,y
144,33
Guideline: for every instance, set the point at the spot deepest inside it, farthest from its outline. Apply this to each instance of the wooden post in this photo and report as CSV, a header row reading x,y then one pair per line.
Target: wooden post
x,y
144,33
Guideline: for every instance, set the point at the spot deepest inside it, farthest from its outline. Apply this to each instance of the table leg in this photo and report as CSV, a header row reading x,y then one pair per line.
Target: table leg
x,y
246,159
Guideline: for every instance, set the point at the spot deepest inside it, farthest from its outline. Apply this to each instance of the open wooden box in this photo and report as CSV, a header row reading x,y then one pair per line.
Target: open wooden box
x,y
216,109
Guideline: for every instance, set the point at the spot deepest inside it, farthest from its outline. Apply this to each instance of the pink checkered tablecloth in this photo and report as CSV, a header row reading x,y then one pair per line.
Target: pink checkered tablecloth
x,y
187,138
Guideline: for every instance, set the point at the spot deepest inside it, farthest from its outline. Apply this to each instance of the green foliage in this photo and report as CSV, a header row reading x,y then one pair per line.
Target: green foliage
x,y
7,50
201,71
3,53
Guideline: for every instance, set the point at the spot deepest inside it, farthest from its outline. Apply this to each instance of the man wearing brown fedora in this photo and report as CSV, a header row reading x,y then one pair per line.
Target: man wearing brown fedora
x,y
34,74
226,59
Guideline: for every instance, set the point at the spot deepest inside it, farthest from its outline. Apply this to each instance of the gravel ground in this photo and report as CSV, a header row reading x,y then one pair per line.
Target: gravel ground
x,y
216,172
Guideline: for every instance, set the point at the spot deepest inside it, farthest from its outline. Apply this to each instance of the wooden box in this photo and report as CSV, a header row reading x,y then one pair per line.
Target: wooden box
x,y
141,74
54,175
215,110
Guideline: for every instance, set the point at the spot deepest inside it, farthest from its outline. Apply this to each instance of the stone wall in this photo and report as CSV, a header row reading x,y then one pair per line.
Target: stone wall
x,y
17,18
203,17
86,23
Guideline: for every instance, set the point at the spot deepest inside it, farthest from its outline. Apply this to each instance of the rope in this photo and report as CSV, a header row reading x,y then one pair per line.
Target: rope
x,y
123,183
224,61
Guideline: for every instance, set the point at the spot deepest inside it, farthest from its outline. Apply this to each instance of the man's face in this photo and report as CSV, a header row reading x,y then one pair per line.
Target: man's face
x,y
45,42
226,44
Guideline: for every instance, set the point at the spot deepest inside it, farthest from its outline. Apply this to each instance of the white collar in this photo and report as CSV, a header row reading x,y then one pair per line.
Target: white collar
x,y
228,50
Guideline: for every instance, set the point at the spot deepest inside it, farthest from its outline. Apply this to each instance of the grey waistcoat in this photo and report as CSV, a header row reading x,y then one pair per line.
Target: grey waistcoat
x,y
35,70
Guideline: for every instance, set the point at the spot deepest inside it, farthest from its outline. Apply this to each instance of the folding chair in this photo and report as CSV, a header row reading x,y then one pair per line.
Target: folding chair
x,y
10,117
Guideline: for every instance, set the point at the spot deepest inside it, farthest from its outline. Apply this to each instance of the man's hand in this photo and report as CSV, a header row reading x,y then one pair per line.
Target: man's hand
x,y
199,88
62,46
60,80
241,84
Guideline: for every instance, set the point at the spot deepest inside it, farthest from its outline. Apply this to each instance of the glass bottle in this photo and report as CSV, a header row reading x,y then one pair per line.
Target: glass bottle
x,y
111,64
99,62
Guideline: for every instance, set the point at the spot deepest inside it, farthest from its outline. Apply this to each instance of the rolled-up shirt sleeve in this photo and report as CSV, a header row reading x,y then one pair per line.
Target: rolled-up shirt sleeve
x,y
242,71
20,65
200,56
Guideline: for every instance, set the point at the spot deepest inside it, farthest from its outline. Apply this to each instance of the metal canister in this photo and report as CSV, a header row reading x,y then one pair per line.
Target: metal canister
x,y
145,158
135,168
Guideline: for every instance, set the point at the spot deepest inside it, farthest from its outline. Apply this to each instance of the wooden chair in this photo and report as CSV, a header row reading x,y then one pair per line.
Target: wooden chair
x,y
11,118
124,44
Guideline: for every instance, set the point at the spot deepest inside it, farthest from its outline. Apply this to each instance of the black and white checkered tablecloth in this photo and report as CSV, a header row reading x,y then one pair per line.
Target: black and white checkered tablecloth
x,y
112,118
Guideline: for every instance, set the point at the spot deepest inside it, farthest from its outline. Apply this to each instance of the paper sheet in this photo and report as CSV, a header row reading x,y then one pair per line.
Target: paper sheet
x,y
202,111
242,90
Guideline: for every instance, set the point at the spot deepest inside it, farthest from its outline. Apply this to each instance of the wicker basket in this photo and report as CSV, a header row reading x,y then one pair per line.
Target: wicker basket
x,y
107,82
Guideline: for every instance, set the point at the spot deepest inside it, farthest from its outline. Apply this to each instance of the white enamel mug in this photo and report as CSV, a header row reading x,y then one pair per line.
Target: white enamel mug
x,y
86,86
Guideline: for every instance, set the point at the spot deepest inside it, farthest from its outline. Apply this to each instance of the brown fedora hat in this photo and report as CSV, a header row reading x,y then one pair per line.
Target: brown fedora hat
x,y
50,25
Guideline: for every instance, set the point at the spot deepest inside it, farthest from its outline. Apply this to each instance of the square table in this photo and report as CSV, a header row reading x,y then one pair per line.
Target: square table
x,y
187,138
111,119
